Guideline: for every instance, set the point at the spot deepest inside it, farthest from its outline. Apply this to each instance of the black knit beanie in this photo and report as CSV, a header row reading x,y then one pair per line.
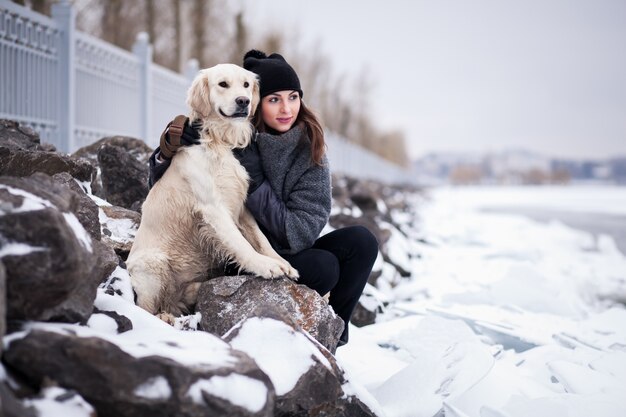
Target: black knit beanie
x,y
275,74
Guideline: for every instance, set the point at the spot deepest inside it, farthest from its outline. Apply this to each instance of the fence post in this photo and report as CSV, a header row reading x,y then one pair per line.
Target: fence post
x,y
143,50
65,17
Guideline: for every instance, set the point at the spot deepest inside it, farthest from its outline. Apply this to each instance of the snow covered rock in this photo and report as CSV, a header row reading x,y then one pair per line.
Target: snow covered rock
x,y
54,264
224,301
85,209
119,227
22,154
118,384
124,178
3,301
311,383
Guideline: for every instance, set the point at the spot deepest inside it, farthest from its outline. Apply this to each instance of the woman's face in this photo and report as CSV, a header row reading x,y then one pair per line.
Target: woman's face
x,y
280,109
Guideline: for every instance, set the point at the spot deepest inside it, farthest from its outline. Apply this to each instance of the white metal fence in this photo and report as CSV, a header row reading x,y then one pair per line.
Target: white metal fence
x,y
74,89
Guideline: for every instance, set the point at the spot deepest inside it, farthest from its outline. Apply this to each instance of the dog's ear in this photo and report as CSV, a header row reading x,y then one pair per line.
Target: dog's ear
x,y
198,96
256,95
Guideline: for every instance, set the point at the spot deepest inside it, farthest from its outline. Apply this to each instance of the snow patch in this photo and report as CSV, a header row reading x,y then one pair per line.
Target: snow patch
x,y
157,388
239,390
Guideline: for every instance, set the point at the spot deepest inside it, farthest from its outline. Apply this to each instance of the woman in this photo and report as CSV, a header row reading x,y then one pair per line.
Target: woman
x,y
290,189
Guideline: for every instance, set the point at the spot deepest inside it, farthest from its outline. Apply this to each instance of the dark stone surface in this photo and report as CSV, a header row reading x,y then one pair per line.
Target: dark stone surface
x,y
54,275
107,377
124,178
21,155
318,391
224,301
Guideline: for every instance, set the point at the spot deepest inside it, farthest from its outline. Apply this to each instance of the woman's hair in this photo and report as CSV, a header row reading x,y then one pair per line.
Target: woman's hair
x,y
313,129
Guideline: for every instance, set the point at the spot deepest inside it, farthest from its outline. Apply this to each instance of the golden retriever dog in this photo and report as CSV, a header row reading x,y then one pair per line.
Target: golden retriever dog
x,y
194,219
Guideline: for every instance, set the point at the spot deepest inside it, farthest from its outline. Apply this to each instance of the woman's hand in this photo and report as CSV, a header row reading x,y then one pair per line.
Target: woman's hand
x,y
250,159
179,133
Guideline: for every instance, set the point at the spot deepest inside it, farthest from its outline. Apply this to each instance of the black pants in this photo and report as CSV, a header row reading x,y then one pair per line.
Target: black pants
x,y
340,263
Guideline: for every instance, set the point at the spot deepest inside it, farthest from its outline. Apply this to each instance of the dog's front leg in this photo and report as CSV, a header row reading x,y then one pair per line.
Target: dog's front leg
x,y
250,230
228,239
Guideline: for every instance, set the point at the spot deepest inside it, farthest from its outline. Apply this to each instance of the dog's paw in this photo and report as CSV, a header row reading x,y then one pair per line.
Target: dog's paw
x,y
268,268
168,318
292,273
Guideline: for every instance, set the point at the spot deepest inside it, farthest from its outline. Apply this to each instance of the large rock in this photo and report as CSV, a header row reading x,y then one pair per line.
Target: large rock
x,y
137,148
124,178
85,209
3,301
310,383
224,301
120,385
54,266
21,155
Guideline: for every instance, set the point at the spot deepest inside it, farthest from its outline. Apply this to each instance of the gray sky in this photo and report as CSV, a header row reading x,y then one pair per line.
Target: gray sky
x,y
478,75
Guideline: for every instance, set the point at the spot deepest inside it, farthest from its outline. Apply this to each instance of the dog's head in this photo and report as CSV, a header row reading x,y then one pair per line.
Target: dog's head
x,y
224,98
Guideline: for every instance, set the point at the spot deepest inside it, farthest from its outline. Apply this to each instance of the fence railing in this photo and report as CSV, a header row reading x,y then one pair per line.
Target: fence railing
x,y
74,89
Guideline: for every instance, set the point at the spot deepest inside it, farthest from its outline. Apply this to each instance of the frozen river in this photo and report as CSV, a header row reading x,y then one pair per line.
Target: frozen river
x,y
597,224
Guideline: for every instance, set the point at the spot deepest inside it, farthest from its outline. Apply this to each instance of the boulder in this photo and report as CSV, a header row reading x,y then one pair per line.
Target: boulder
x,y
124,178
137,148
224,301
53,264
311,384
134,147
21,155
118,384
85,209
3,301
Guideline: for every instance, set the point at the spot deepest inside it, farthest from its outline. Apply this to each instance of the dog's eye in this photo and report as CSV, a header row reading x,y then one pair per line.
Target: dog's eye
x,y
223,84
246,84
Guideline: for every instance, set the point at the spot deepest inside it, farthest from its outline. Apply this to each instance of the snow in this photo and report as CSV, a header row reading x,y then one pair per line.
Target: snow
x,y
18,249
57,401
230,388
122,230
502,316
31,201
273,344
78,229
156,388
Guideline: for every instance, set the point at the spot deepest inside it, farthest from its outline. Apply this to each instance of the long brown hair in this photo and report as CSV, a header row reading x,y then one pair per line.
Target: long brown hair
x,y
313,129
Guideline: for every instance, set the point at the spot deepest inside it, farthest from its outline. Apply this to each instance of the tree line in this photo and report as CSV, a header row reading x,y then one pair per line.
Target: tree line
x,y
212,32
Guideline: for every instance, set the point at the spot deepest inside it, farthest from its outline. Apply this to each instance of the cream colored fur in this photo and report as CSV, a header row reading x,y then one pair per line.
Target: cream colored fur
x,y
194,217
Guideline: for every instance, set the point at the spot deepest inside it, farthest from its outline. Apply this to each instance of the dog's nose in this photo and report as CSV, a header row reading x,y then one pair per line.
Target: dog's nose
x,y
242,101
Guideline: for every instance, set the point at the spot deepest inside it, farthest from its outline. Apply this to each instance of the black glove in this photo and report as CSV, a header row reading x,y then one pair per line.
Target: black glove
x,y
250,159
179,133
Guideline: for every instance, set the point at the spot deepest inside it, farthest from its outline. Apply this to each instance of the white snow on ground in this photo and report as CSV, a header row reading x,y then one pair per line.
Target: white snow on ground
x,y
55,402
502,317
230,388
156,388
283,354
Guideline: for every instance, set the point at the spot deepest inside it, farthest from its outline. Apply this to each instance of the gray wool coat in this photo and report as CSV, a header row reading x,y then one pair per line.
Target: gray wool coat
x,y
292,205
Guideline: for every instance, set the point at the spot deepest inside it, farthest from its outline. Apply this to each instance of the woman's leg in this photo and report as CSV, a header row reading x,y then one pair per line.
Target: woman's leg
x,y
355,248
318,269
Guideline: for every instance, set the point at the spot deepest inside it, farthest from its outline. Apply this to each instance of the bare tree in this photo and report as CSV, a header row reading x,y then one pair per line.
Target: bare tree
x,y
199,16
178,36
150,23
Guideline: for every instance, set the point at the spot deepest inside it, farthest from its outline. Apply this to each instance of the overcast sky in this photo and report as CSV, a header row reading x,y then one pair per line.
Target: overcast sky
x,y
478,75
